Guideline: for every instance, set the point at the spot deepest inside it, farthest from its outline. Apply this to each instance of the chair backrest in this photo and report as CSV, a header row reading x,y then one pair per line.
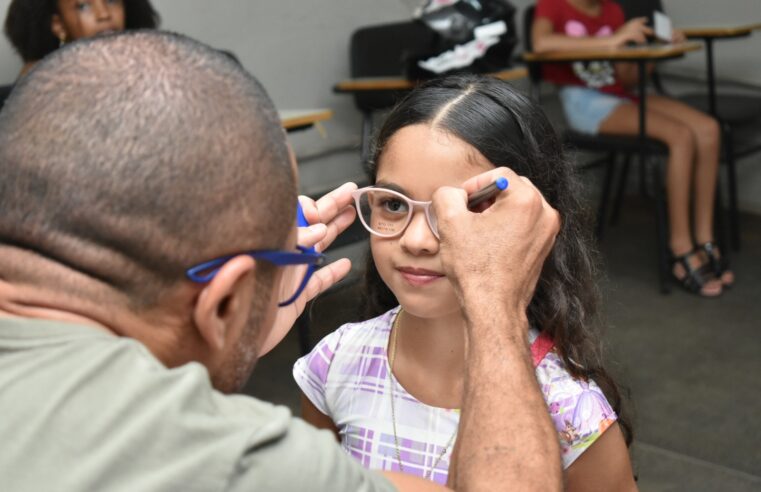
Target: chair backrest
x,y
640,8
382,51
534,69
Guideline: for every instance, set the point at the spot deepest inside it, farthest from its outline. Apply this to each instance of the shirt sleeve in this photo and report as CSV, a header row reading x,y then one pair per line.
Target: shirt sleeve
x,y
578,408
311,371
550,10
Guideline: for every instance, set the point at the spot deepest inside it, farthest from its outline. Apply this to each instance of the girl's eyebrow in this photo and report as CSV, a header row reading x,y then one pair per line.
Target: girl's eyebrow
x,y
391,186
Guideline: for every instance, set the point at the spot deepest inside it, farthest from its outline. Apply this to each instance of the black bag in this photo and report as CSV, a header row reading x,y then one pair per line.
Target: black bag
x,y
475,36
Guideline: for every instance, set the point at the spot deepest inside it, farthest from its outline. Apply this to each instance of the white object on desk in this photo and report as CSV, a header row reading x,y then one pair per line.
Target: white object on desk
x,y
663,28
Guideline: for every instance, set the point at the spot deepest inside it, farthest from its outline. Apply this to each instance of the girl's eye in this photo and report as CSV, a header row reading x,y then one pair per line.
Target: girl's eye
x,y
394,205
82,6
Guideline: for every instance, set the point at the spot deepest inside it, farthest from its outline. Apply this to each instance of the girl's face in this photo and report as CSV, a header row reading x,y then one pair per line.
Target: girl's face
x,y
77,19
417,161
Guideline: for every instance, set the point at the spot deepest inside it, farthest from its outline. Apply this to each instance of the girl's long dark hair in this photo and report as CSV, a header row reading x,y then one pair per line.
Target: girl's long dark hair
x,y
27,24
510,130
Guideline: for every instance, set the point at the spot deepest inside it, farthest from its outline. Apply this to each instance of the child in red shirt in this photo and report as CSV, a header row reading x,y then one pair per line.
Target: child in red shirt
x,y
596,99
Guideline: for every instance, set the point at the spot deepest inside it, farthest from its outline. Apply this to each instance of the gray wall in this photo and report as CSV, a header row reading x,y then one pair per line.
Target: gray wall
x,y
298,49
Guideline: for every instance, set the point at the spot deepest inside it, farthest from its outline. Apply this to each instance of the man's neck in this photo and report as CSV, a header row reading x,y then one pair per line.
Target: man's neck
x,y
22,302
157,331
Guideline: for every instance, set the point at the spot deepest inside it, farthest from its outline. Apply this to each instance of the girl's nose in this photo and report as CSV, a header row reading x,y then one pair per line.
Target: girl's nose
x,y
418,238
101,10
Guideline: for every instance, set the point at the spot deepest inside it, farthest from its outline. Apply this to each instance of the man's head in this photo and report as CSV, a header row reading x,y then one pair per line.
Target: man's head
x,y
127,159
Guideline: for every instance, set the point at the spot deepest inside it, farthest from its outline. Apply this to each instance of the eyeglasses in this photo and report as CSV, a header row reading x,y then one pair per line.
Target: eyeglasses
x,y
387,213
204,272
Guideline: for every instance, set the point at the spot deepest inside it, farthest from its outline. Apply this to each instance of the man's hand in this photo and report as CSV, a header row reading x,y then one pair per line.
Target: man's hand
x,y
328,216
634,31
496,256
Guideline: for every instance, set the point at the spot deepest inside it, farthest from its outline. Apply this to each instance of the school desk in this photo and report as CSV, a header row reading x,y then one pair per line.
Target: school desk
x,y
301,119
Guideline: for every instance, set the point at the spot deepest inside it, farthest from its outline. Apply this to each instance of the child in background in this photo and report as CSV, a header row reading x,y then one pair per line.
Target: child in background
x,y
390,387
596,98
36,28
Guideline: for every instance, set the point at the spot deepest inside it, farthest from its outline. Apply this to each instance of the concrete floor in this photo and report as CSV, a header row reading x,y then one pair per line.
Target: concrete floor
x,y
693,365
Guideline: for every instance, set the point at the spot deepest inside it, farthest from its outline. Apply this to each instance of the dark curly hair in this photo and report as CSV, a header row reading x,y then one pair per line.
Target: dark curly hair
x,y
27,24
510,130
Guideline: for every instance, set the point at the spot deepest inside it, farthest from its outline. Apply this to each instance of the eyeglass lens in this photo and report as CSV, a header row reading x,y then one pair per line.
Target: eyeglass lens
x,y
387,213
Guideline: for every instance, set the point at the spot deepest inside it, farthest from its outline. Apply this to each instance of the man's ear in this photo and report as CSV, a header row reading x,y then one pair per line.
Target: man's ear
x,y
224,304
56,27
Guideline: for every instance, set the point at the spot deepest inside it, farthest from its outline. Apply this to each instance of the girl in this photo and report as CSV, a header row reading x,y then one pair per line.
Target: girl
x,y
390,387
596,99
38,27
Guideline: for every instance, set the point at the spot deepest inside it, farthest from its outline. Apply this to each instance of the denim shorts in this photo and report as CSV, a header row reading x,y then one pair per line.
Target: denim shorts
x,y
585,109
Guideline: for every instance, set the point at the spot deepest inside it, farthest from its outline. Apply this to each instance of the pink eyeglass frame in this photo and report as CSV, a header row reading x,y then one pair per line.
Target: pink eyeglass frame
x,y
430,217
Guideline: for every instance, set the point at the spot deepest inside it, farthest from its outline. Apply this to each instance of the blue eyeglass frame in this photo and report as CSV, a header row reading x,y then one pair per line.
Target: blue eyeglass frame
x,y
305,256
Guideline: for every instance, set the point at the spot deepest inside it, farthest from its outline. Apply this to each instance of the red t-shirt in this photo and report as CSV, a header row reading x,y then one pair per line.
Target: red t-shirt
x,y
567,20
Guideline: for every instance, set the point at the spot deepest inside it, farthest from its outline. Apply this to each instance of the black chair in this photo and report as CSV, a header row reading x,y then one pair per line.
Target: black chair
x,y
383,51
615,146
5,91
733,111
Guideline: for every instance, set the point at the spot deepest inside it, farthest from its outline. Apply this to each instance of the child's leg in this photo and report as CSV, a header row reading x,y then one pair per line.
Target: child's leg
x,y
625,120
707,135
682,153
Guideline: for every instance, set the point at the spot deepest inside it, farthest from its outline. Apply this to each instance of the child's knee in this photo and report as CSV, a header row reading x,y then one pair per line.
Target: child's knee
x,y
708,132
680,137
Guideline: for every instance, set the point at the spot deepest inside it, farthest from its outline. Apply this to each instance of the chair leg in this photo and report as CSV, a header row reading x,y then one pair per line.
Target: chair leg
x,y
367,133
719,224
623,176
610,165
642,180
729,158
661,228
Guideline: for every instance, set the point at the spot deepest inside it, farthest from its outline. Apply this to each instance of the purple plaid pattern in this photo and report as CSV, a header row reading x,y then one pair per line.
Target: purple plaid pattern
x,y
346,378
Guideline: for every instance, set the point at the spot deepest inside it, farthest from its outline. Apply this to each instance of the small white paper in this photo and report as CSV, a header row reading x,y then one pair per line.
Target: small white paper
x,y
490,30
663,28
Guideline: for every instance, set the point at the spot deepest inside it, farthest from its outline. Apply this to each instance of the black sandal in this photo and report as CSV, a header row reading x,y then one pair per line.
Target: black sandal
x,y
718,264
694,279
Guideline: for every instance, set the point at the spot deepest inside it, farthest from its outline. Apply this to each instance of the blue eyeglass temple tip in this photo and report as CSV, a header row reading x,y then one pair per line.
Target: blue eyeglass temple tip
x,y
301,221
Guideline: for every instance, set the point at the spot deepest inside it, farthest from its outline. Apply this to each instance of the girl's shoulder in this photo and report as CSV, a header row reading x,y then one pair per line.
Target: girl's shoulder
x,y
370,333
578,408
352,347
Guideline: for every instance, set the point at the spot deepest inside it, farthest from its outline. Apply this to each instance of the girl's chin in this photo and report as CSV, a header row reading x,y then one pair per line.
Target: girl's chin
x,y
426,309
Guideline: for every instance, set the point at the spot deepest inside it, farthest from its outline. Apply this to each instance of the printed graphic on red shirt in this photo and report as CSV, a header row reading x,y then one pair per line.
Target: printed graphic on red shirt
x,y
568,20
595,74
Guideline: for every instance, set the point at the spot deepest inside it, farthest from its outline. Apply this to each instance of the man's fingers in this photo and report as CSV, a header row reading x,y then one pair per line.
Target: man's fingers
x,y
484,179
327,207
336,227
309,236
326,277
449,201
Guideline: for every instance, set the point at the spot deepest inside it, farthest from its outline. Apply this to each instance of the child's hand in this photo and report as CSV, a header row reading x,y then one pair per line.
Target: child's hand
x,y
678,36
328,217
495,257
634,31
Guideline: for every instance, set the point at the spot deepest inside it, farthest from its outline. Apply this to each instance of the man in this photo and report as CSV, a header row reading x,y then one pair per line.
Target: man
x,y
130,161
